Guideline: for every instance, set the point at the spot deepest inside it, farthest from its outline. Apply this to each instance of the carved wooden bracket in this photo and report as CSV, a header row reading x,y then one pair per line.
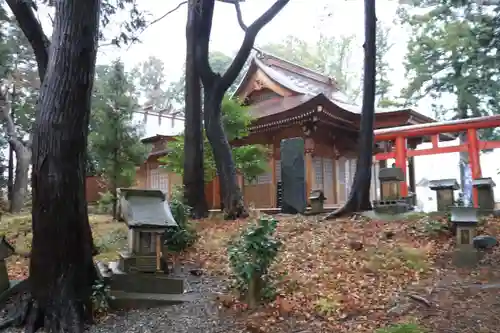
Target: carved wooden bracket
x,y
259,84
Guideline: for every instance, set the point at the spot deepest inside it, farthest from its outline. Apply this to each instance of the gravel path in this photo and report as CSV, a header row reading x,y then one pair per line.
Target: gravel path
x,y
201,315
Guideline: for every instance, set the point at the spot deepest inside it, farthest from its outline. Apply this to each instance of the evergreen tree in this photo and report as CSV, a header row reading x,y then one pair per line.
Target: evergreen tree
x,y
114,140
450,57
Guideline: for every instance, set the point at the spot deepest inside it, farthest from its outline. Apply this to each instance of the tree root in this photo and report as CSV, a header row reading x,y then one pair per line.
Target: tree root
x,y
68,316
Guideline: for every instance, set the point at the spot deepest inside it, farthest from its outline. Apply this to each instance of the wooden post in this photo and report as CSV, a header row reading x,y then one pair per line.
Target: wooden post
x,y
308,160
401,162
475,165
272,188
158,252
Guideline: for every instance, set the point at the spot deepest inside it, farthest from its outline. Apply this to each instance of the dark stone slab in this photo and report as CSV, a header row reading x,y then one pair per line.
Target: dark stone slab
x,y
128,301
293,176
391,174
147,283
464,215
484,242
441,184
483,182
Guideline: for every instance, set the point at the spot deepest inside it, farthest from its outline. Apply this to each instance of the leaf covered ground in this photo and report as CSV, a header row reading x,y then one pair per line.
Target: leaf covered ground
x,y
348,275
109,237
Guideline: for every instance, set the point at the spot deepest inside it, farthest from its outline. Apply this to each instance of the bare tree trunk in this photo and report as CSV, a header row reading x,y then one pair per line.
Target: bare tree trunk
x,y
193,178
61,266
359,197
215,87
232,198
20,186
22,152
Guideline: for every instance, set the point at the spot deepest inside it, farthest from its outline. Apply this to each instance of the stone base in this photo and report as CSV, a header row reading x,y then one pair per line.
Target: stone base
x,y
391,206
466,257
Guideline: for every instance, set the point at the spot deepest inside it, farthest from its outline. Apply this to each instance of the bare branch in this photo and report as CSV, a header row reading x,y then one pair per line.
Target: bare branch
x,y
33,31
239,16
248,42
10,128
166,14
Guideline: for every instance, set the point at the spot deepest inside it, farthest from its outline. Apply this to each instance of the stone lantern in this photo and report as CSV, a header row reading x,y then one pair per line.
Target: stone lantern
x,y
317,199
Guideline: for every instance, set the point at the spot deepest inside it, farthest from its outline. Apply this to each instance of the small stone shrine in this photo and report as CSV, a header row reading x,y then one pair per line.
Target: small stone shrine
x,y
147,215
293,176
465,219
317,199
444,192
390,201
6,250
486,199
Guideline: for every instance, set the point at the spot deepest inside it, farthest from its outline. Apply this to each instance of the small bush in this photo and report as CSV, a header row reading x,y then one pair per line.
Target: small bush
x,y
401,328
250,257
100,297
112,241
105,202
184,236
435,227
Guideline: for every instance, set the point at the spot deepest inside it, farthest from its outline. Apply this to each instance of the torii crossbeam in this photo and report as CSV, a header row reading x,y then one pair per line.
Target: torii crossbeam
x,y
400,151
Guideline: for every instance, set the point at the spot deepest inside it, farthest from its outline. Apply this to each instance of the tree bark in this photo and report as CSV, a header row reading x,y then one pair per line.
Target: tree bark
x,y
215,86
61,265
232,198
19,185
359,197
193,178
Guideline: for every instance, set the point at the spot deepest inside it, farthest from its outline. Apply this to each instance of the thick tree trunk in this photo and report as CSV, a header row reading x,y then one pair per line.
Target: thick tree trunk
x,y
231,197
61,266
193,178
359,197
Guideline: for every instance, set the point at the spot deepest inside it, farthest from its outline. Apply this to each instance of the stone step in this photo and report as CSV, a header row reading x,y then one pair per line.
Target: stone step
x,y
126,300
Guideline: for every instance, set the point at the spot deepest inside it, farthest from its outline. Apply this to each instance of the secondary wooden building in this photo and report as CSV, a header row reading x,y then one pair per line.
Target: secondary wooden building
x,y
288,100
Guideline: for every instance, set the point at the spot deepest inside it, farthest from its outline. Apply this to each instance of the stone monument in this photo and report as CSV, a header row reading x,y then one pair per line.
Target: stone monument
x,y
293,176
444,192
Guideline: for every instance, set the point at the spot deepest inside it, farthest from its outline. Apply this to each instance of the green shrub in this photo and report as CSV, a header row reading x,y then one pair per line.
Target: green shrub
x,y
100,297
250,257
105,202
184,236
401,328
436,227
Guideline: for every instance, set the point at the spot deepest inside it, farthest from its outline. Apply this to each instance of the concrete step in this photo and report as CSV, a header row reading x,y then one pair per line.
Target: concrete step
x,y
127,300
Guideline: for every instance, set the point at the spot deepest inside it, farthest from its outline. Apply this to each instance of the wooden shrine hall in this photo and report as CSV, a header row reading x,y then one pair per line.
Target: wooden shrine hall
x,y
288,100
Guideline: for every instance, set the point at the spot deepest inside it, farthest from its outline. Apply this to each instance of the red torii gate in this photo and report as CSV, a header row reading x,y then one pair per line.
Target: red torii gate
x,y
400,152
